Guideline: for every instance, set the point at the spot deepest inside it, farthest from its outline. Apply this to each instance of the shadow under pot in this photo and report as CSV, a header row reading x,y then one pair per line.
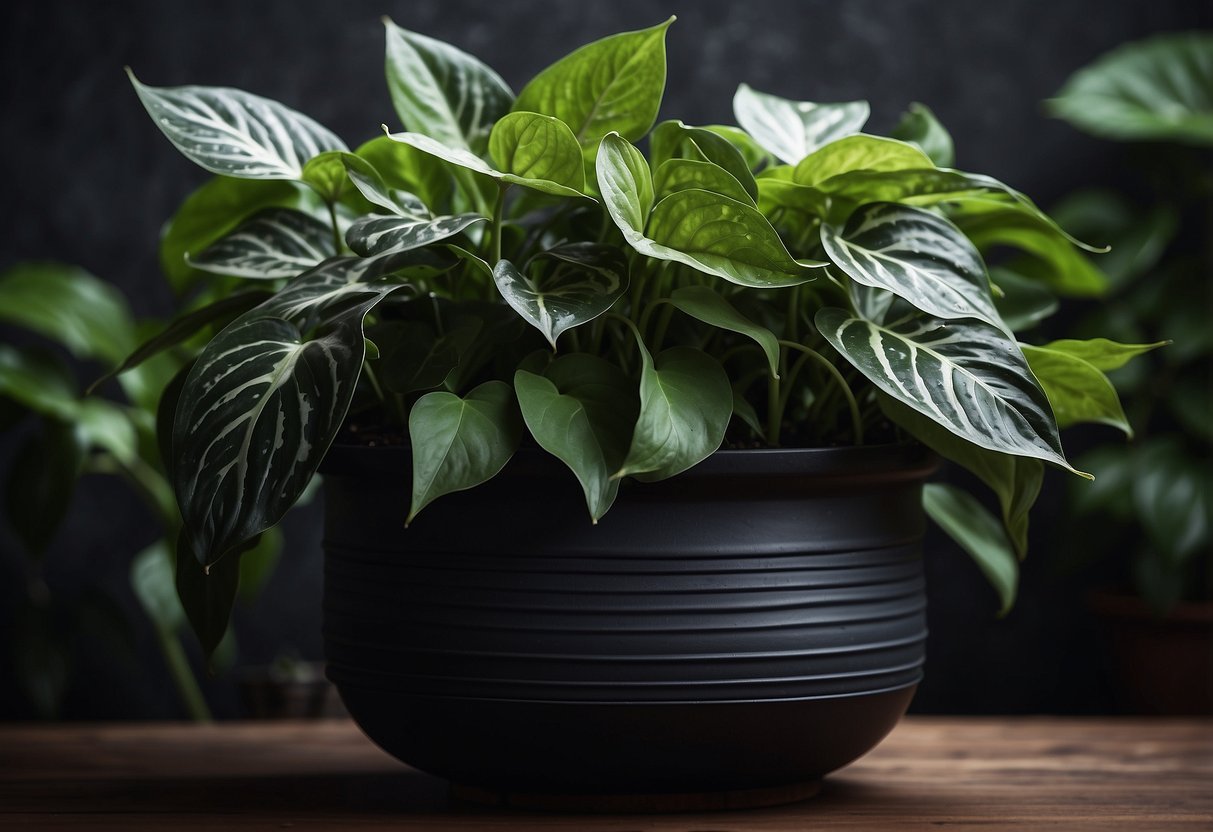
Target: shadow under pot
x,y
724,638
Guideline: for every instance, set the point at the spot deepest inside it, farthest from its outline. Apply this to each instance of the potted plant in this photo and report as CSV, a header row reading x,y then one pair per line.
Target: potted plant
x,y
1150,516
624,454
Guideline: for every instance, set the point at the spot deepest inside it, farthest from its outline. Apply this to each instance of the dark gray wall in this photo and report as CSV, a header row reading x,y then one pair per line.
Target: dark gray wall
x,y
87,179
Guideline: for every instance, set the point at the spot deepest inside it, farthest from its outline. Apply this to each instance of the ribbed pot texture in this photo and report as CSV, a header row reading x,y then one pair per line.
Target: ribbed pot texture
x,y
755,622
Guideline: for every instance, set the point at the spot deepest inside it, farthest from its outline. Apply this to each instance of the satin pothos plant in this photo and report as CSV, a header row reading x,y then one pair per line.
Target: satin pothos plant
x,y
514,268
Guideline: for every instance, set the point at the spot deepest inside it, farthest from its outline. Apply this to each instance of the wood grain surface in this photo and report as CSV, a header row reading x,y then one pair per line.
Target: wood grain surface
x,y
931,773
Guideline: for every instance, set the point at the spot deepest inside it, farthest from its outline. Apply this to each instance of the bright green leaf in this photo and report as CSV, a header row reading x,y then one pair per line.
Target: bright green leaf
x,y
675,140
533,146
1078,391
859,153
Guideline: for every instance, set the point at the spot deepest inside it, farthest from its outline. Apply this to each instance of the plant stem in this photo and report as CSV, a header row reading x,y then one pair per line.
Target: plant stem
x,y
183,676
843,387
774,411
498,212
336,229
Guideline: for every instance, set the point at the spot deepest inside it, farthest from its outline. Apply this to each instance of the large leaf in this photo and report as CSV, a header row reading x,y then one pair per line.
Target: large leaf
x,y
459,443
1015,480
442,91
916,255
1160,89
1078,390
272,244
709,232
262,404
968,376
685,406
69,306
794,129
612,85
919,126
466,159
577,283
859,153
538,147
675,140
712,308
235,133
581,410
968,523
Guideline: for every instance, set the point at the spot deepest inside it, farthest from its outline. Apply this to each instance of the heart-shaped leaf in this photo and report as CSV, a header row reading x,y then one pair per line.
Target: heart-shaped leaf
x,y
1078,391
272,244
581,410
794,129
968,376
537,147
465,159
582,281
859,153
712,308
706,231
235,133
443,92
916,255
459,443
920,127
967,522
685,406
675,140
612,85
1159,89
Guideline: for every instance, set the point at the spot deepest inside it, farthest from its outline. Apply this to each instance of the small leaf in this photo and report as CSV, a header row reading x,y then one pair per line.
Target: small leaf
x,y
968,523
1158,89
968,376
581,410
794,129
537,147
377,234
1078,391
626,185
675,140
916,255
1103,354
685,406
675,175
443,92
206,592
404,168
235,133
859,153
920,127
756,156
710,307
40,483
583,281
612,85
459,443
272,244
69,306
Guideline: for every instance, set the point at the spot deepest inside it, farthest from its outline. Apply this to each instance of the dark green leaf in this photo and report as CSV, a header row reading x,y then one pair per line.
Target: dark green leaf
x,y
581,410
379,234
977,532
920,127
41,659
794,129
712,308
407,169
272,244
154,585
40,483
1021,302
1172,493
459,443
206,592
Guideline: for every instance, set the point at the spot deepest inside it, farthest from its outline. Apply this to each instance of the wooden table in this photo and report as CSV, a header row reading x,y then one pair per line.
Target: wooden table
x,y
1037,773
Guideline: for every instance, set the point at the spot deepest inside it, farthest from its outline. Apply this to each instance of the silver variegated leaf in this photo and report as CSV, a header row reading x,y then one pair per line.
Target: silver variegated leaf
x,y
374,235
794,129
264,400
442,91
272,244
235,133
579,282
966,375
916,255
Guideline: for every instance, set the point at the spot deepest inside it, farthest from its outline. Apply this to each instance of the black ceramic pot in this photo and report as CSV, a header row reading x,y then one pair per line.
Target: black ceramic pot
x,y
751,624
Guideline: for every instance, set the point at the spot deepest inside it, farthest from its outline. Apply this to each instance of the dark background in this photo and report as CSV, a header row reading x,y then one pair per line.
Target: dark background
x,y
87,179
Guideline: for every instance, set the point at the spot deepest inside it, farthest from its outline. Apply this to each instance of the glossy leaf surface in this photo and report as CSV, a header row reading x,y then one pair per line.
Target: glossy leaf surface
x,y
712,308
794,129
977,532
272,244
